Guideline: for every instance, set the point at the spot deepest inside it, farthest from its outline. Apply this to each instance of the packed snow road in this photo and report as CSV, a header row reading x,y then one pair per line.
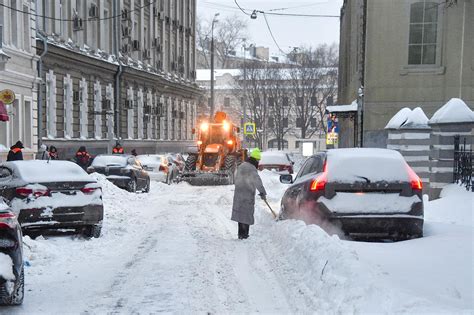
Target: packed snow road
x,y
175,250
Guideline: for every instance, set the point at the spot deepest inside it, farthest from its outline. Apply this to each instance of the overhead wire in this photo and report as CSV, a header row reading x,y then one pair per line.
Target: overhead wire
x,y
271,34
240,7
72,20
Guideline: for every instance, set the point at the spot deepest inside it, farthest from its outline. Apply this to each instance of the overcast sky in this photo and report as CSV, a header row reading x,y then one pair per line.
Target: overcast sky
x,y
288,31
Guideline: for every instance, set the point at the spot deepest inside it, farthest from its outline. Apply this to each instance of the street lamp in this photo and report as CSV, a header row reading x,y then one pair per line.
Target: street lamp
x,y
214,20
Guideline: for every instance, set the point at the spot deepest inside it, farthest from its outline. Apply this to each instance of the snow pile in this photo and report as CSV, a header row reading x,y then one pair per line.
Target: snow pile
x,y
454,111
6,267
456,206
416,119
399,118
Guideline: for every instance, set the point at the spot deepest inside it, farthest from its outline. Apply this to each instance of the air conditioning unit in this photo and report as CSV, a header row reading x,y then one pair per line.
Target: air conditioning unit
x,y
77,24
126,49
167,20
181,28
129,104
160,16
146,54
126,15
94,11
136,45
126,31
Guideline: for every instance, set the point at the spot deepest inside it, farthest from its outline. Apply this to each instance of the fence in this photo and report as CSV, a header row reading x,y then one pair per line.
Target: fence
x,y
463,164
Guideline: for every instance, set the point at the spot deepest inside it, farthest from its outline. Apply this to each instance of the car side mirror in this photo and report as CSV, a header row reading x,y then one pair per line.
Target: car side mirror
x,y
286,179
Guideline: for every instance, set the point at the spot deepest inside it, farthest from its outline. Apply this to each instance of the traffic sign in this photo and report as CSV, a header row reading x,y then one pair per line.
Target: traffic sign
x,y
250,129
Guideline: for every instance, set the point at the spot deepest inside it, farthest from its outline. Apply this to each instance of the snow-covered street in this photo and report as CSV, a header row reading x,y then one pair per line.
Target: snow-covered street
x,y
175,250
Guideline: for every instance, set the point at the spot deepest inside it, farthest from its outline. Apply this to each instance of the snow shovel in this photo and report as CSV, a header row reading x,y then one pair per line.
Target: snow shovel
x,y
273,212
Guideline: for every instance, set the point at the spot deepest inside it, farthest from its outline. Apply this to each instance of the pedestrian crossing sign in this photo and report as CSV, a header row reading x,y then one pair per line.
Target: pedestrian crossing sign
x,y
249,129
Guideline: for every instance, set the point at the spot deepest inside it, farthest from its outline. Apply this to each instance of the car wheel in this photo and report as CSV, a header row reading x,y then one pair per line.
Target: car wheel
x,y
132,185
15,296
92,231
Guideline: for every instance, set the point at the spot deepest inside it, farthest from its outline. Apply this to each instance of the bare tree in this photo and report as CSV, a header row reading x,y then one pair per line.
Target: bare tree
x,y
313,84
229,33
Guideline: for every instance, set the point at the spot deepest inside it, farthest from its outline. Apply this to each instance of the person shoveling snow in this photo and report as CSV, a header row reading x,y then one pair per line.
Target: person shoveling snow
x,y
247,181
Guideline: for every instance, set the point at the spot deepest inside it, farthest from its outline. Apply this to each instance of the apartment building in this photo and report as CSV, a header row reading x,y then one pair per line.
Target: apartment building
x,y
18,73
402,53
117,70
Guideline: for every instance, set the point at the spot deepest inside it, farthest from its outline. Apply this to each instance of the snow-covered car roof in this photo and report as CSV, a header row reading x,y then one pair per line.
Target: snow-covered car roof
x,y
104,160
348,165
274,158
151,159
42,171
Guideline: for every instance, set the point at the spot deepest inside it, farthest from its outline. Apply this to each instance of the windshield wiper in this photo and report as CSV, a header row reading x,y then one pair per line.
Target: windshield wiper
x,y
366,179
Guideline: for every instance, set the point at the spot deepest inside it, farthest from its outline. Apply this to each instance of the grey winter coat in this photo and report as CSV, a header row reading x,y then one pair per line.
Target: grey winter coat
x,y
246,182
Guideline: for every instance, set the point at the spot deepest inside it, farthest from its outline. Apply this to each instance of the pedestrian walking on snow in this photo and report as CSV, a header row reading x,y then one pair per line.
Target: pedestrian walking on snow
x,y
247,181
15,153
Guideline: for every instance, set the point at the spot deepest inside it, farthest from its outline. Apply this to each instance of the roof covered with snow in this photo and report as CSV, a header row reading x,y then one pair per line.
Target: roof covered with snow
x,y
454,111
343,108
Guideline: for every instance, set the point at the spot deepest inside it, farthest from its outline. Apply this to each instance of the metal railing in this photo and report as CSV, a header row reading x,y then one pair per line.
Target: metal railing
x,y
463,164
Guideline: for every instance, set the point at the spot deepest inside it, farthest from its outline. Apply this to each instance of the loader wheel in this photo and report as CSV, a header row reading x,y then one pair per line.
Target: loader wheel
x,y
230,164
191,163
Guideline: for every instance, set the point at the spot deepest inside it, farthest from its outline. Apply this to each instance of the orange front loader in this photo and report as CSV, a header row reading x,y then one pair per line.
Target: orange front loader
x,y
219,152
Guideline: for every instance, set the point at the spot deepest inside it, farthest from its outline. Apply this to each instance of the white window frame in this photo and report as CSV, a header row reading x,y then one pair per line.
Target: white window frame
x,y
151,118
83,109
109,95
68,110
97,110
51,104
130,114
140,127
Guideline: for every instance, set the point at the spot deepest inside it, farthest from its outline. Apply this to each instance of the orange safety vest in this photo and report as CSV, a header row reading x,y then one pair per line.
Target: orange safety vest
x,y
16,150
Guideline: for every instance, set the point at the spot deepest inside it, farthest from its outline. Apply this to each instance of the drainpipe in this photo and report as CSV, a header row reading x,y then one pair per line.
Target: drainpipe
x,y
461,61
118,74
40,81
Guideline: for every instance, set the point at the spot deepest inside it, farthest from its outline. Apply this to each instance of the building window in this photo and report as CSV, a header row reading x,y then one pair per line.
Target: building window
x,y
299,122
273,144
423,33
329,101
271,102
314,101
226,101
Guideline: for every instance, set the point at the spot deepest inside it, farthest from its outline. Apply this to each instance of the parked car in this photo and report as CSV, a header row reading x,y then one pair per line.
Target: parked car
x,y
12,276
163,167
276,161
365,193
52,195
125,171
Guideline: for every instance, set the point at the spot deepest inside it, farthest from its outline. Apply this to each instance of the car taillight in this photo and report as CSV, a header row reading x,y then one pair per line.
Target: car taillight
x,y
319,183
415,180
7,220
90,190
162,168
26,192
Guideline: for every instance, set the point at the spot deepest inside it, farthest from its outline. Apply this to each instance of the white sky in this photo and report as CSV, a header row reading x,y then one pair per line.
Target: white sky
x,y
288,31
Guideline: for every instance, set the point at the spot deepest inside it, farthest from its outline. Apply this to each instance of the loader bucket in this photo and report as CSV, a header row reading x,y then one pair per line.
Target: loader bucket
x,y
207,179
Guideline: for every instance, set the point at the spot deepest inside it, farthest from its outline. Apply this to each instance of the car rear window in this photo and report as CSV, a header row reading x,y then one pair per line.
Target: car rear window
x,y
110,160
271,158
349,165
150,160
40,171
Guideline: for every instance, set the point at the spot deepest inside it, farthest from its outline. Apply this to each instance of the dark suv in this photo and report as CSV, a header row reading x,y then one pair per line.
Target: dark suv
x,y
361,193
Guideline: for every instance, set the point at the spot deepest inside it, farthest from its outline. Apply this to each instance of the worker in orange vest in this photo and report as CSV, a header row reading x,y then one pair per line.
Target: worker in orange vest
x,y
118,149
15,153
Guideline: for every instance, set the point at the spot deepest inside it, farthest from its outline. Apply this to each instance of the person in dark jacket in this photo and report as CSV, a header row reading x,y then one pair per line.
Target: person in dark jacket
x,y
15,153
118,149
53,153
247,181
83,158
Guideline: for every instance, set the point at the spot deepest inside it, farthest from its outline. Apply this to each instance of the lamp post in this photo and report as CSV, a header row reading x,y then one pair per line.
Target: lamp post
x,y
214,20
